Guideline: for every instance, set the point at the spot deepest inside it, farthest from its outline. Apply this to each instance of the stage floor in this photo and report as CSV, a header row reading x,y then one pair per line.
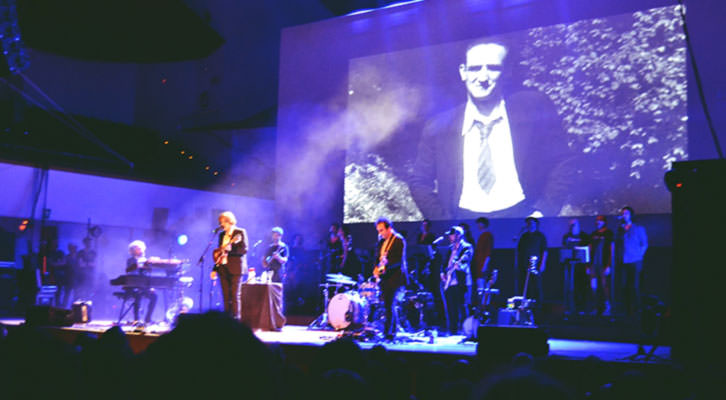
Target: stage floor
x,y
452,345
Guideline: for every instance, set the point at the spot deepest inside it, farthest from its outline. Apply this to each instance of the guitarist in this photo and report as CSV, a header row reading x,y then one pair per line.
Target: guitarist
x,y
230,260
390,269
276,256
456,278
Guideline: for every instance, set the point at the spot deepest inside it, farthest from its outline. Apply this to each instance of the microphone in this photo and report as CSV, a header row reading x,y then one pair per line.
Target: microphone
x,y
438,240
217,229
518,235
257,243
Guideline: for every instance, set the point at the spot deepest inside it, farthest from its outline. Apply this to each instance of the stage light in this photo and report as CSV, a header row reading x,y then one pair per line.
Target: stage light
x,y
182,239
216,173
207,168
188,303
190,157
182,152
166,142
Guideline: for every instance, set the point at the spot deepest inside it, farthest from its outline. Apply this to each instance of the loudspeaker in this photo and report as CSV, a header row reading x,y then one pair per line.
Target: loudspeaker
x,y
81,312
699,210
510,340
48,316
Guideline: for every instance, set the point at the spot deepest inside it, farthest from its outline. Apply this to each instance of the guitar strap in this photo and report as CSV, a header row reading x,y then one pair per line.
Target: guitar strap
x,y
387,246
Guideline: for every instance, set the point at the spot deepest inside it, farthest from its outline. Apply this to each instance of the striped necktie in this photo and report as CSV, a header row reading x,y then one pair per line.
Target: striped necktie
x,y
485,170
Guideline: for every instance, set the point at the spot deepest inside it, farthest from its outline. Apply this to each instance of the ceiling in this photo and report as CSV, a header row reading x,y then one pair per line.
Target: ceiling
x,y
237,39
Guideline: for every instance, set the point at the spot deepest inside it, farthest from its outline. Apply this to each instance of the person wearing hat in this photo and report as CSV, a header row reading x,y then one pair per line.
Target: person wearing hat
x,y
602,254
456,278
276,256
531,252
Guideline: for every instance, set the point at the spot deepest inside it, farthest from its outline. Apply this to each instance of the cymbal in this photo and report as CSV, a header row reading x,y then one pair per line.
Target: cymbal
x,y
342,282
338,276
334,284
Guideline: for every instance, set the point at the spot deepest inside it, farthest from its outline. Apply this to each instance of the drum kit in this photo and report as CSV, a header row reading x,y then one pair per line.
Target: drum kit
x,y
358,306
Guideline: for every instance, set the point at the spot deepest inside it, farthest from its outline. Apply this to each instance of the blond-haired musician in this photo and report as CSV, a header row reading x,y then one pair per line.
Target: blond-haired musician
x,y
135,265
230,260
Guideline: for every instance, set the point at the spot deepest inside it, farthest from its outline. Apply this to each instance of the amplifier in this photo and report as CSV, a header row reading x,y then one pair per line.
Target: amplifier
x,y
81,312
513,316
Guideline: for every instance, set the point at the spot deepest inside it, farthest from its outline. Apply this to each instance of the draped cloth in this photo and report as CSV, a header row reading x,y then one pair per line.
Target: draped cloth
x,y
262,306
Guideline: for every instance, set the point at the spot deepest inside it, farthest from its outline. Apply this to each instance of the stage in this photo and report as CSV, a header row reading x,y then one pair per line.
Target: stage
x,y
300,337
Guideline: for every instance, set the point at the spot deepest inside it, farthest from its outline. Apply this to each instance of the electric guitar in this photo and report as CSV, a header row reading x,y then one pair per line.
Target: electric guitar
x,y
220,253
450,275
450,271
380,269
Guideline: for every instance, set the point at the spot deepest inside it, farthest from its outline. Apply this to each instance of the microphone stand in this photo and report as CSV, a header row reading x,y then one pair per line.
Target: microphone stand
x,y
200,264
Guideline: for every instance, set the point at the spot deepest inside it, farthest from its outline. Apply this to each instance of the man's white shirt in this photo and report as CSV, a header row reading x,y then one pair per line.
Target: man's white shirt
x,y
507,190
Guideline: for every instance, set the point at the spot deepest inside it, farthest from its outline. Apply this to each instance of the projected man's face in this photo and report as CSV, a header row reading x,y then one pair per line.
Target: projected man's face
x,y
483,70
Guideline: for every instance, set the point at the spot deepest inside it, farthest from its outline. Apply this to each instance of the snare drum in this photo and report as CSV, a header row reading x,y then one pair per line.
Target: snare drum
x,y
370,292
347,310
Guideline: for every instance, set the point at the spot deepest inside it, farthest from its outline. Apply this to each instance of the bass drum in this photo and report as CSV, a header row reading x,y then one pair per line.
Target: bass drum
x,y
347,311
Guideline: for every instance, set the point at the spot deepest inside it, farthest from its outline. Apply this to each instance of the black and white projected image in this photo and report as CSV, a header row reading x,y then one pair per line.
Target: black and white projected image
x,y
566,120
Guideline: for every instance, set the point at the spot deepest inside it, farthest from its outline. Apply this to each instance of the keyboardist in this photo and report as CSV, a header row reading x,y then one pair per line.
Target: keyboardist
x,y
135,265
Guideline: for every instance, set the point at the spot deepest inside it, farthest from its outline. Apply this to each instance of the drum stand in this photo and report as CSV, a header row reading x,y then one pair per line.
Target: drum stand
x,y
321,322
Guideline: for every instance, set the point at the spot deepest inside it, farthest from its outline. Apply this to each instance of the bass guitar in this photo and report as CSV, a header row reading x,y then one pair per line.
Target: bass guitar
x,y
277,252
487,290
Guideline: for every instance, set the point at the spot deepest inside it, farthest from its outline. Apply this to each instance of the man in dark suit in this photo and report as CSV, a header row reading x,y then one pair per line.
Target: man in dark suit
x,y
456,278
391,255
231,262
499,154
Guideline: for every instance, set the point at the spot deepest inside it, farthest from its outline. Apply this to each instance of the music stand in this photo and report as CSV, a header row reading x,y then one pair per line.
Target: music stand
x,y
571,257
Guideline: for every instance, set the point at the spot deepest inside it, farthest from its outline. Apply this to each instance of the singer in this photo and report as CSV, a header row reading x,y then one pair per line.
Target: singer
x,y
231,261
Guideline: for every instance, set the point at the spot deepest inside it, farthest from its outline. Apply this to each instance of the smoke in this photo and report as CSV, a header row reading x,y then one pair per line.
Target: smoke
x,y
368,117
